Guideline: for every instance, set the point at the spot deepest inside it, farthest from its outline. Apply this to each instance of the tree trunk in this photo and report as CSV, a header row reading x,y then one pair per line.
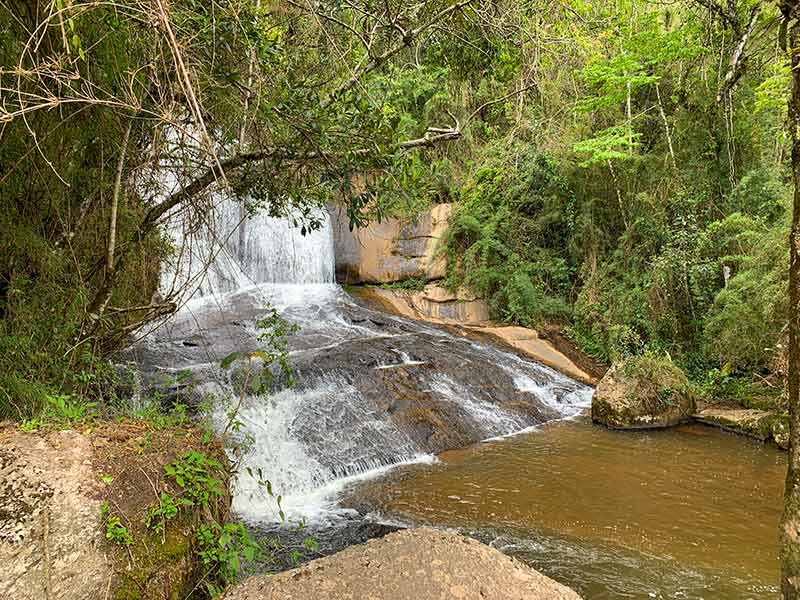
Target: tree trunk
x,y
790,525
101,299
666,128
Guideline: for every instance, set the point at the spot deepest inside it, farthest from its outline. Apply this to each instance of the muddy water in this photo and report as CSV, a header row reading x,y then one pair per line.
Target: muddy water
x,y
685,513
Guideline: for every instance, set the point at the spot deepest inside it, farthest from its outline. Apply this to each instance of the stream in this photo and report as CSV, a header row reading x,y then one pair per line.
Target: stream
x,y
394,422
689,513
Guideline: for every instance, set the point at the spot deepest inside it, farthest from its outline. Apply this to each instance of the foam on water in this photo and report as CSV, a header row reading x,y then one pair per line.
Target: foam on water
x,y
231,251
309,444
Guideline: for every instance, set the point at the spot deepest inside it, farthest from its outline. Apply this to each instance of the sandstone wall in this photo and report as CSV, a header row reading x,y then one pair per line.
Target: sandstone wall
x,y
434,303
392,250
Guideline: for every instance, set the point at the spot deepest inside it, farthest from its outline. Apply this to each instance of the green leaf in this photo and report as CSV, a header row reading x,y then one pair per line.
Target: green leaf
x,y
228,360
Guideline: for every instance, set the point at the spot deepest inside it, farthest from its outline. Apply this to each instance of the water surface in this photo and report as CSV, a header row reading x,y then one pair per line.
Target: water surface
x,y
685,513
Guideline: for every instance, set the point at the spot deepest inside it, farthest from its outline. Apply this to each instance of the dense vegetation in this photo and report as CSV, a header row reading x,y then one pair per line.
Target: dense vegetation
x,y
639,194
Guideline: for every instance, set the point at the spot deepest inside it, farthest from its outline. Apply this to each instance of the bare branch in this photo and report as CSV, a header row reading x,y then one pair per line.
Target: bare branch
x,y
409,37
738,58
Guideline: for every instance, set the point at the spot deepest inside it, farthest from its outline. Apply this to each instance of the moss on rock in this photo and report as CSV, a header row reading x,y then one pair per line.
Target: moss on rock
x,y
759,424
643,392
158,564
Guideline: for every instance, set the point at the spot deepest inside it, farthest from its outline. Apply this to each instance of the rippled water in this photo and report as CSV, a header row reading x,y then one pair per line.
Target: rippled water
x,y
688,513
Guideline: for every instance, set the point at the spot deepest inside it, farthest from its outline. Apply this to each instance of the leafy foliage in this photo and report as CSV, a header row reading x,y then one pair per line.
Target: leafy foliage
x,y
507,238
116,532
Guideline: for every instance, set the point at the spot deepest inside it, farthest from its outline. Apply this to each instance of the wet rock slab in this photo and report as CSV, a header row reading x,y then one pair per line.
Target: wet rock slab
x,y
409,565
371,389
759,424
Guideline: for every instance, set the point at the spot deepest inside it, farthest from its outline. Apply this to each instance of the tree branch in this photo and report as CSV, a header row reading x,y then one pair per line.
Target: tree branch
x,y
726,13
409,37
738,58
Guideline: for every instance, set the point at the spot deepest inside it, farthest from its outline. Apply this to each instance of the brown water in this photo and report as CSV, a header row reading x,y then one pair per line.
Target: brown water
x,y
684,513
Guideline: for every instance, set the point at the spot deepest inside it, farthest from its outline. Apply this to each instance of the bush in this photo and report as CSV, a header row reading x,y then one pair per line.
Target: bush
x,y
507,238
745,322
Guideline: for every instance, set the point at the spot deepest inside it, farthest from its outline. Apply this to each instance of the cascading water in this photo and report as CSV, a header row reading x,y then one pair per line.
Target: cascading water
x,y
231,250
372,390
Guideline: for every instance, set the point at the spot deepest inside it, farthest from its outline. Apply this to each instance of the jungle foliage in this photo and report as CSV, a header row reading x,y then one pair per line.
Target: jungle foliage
x,y
618,168
640,195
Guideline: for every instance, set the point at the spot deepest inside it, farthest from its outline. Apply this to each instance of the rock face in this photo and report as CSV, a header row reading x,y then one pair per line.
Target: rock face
x,y
51,544
392,250
530,343
470,315
434,303
760,424
643,393
409,565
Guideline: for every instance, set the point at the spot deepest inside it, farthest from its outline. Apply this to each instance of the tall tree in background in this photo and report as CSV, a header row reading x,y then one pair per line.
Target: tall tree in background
x,y
790,530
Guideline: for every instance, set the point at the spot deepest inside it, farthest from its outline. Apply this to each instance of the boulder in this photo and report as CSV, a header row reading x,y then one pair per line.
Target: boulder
x,y
409,565
759,424
643,393
392,250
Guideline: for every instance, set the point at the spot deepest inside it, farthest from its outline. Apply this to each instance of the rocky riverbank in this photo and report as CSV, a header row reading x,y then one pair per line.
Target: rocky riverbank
x,y
409,565
85,516
468,316
648,393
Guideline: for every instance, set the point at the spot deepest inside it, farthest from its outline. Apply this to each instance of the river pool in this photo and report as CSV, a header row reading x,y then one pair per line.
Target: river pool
x,y
689,513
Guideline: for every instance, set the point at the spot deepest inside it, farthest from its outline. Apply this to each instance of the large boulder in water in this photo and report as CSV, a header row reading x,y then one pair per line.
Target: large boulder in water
x,y
641,393
413,564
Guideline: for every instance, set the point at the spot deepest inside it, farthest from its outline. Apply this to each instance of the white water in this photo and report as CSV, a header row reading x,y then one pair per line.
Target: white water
x,y
309,444
230,251
312,441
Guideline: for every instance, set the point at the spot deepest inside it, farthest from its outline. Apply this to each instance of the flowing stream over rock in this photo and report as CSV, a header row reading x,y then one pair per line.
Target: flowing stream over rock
x,y
686,514
372,391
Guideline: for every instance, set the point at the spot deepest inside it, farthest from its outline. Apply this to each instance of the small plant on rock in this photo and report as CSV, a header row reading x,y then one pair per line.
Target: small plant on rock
x,y
194,472
222,548
65,407
116,532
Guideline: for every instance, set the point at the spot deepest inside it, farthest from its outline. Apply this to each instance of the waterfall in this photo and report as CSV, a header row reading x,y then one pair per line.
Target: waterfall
x,y
230,250
372,391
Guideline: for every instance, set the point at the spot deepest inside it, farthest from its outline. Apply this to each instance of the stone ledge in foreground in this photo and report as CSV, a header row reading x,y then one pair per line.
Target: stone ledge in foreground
x,y
412,564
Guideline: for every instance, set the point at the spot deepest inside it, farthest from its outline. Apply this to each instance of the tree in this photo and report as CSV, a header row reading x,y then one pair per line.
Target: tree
x,y
790,524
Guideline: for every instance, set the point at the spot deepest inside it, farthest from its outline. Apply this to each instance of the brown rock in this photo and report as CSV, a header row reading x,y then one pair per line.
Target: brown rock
x,y
414,564
392,250
470,315
435,304
531,344
759,424
643,393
